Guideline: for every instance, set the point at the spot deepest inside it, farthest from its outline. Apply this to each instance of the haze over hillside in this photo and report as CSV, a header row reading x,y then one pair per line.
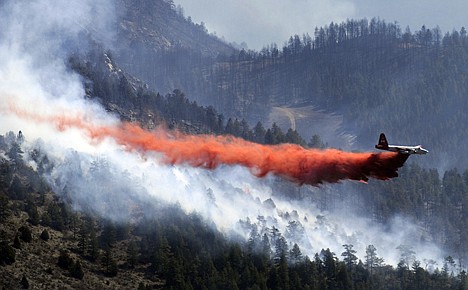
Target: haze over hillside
x,y
373,75
261,22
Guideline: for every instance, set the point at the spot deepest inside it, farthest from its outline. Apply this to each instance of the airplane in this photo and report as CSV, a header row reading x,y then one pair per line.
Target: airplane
x,y
383,145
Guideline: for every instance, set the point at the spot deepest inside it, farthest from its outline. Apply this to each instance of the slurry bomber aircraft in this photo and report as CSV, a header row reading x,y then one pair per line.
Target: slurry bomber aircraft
x,y
383,145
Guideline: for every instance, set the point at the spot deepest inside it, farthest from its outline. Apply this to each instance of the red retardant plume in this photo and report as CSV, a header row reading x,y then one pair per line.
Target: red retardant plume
x,y
304,166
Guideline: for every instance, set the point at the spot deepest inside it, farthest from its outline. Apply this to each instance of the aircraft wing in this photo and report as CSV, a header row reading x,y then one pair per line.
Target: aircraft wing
x,y
404,149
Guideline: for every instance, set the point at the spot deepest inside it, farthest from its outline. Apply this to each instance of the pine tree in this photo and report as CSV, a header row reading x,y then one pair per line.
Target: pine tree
x,y
7,253
269,138
33,214
349,256
109,263
316,142
259,133
16,242
407,255
292,136
76,271
372,260
17,191
25,234
132,254
273,281
295,255
15,153
229,129
6,173
83,239
4,202
44,235
94,251
283,272
108,235
54,217
64,260
24,282
329,264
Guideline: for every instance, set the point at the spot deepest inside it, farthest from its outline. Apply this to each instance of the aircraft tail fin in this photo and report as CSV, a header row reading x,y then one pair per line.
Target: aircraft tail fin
x,y
383,144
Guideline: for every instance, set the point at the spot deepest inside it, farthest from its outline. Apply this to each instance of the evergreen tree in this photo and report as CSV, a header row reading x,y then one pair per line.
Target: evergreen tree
x,y
16,242
7,253
17,190
108,236
420,277
94,251
407,255
64,260
343,279
132,254
15,153
245,131
269,138
33,214
283,272
349,256
372,260
25,234
6,173
76,271
295,255
83,239
316,142
277,135
44,235
230,127
109,263
259,133
273,281
329,267
4,208
292,136
54,217
24,282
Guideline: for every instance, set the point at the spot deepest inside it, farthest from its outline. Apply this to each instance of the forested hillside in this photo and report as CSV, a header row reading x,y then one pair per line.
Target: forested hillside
x,y
131,100
411,85
46,244
157,251
435,201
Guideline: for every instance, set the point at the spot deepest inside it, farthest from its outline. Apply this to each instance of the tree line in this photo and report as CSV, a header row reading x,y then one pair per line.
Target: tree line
x,y
186,253
375,74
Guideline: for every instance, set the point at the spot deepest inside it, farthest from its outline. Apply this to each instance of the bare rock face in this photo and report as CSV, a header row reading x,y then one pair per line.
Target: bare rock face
x,y
157,26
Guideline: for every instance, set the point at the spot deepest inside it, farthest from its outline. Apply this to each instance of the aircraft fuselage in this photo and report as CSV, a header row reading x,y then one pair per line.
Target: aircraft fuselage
x,y
383,145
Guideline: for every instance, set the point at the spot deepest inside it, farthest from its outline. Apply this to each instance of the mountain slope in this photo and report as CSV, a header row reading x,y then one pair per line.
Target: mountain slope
x,y
170,249
377,78
148,30
156,26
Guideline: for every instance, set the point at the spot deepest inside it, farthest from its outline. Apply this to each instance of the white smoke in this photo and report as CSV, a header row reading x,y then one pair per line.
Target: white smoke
x,y
116,184
104,178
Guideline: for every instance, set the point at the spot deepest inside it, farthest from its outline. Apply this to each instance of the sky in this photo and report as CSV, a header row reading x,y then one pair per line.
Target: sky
x,y
262,22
